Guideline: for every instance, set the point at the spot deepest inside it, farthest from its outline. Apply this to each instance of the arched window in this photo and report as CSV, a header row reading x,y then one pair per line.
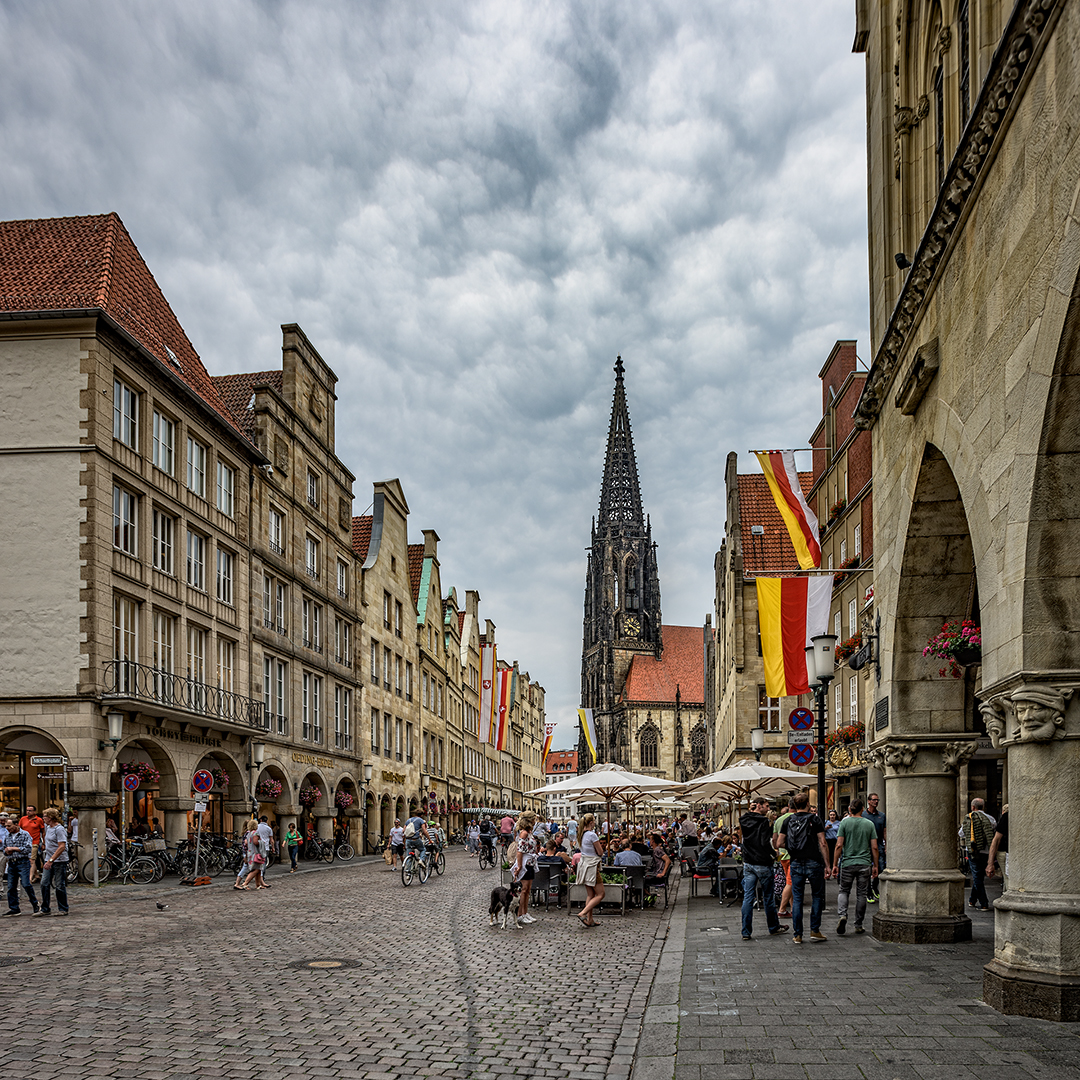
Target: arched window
x,y
650,749
631,584
697,745
615,583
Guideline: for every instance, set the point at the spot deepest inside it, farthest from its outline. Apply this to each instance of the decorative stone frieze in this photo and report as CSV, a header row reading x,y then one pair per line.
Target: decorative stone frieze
x,y
956,754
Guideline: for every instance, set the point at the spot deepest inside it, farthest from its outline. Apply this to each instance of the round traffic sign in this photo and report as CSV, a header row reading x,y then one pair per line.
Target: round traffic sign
x,y
131,782
801,719
202,780
801,754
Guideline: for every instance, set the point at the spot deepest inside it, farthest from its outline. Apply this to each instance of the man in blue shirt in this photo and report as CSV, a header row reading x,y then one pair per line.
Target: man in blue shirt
x,y
18,848
627,856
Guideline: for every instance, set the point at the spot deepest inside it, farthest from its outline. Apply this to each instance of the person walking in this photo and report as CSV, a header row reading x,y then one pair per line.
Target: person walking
x,y
54,872
1000,845
292,842
257,856
266,836
784,859
397,844
871,814
855,862
33,823
18,848
978,836
588,869
832,824
804,838
758,857
245,854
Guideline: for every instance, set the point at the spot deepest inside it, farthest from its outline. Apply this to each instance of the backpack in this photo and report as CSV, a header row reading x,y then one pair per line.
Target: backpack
x,y
802,837
410,830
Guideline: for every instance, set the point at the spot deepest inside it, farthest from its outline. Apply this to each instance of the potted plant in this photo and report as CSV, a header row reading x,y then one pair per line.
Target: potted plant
x,y
343,800
268,790
221,778
309,796
853,733
958,643
848,648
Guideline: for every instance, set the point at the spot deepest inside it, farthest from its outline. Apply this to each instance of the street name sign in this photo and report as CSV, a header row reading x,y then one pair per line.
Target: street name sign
x,y
47,760
78,768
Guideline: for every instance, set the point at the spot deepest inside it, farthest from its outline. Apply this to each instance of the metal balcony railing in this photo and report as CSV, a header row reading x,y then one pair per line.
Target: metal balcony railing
x,y
126,679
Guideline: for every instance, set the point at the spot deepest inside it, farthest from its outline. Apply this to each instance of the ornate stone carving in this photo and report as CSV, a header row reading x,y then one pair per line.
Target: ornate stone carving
x,y
1026,32
900,757
993,715
944,40
955,754
903,119
1039,709
922,108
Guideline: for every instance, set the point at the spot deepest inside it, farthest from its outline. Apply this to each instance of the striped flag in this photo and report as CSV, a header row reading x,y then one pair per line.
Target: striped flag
x,y
588,726
502,714
549,734
802,526
487,691
790,612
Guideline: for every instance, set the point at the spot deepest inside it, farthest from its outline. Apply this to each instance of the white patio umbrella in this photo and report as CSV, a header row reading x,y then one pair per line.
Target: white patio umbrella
x,y
741,780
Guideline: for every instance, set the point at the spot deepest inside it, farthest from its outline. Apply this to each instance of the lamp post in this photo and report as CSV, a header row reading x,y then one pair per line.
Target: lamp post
x,y
366,787
425,787
757,741
258,755
820,663
116,728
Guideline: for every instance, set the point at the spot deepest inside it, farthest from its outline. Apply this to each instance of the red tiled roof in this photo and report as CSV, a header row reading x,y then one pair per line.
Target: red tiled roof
x,y
236,391
460,621
82,263
682,666
361,535
416,568
770,553
563,758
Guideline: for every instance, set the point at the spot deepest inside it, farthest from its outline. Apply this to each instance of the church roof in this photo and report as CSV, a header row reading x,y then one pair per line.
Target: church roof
x,y
682,666
620,494
770,553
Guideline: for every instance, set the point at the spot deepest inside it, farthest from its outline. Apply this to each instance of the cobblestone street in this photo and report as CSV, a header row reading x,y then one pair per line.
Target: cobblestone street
x,y
207,987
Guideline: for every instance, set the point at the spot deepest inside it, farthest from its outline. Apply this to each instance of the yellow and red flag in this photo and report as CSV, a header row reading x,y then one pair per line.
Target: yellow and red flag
x,y
588,728
791,611
549,733
802,525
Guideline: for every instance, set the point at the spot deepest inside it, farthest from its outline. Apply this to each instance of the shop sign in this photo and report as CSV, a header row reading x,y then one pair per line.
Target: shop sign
x,y
393,778
49,760
312,759
181,736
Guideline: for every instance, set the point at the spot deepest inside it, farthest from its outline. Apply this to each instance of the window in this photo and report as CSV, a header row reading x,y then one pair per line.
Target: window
x,y
268,601
843,552
424,683
386,668
650,749
853,617
375,662
342,579
161,542
853,699
125,414
280,607
312,625
439,763
374,731
397,676
386,610
399,751
276,532
856,544
196,467
125,511
196,560
311,558
397,618
964,26
226,481
939,125
768,711
838,690
225,576
342,649
226,664
311,709
312,489
163,659
125,642
164,443
275,695
837,629
196,666
408,680
342,723
386,722
408,743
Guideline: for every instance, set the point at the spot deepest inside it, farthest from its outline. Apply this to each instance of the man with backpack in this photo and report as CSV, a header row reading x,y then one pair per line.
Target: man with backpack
x,y
804,838
416,834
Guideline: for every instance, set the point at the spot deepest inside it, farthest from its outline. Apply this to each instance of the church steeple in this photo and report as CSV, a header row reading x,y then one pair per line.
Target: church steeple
x,y
620,495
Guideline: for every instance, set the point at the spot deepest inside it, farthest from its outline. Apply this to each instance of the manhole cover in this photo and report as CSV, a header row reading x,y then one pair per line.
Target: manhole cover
x,y
11,961
325,963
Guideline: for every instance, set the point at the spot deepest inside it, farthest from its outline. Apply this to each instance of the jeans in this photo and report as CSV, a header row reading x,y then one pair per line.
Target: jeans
x,y
19,869
293,849
54,877
860,877
801,872
752,877
977,860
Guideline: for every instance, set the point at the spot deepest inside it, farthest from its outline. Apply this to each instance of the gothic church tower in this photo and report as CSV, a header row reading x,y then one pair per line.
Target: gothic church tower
x,y
622,591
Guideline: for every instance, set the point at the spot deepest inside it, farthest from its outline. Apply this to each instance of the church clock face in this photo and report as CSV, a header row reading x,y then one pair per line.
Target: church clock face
x,y
632,626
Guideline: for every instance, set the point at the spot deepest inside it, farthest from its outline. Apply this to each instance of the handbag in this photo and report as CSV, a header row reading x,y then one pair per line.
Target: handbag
x,y
257,859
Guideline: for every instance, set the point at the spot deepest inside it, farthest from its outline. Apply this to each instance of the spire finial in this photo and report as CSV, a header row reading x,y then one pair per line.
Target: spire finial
x,y
619,366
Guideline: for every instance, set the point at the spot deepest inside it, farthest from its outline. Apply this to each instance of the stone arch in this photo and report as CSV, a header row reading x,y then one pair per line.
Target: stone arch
x,y
147,748
386,818
284,802
399,807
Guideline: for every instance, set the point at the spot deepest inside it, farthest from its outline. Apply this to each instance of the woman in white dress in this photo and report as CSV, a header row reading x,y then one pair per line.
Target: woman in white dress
x,y
588,869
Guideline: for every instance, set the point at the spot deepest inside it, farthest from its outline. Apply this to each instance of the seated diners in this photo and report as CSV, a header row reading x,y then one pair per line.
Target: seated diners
x,y
627,856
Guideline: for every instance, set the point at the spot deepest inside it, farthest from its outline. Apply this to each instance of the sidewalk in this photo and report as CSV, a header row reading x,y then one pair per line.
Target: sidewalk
x,y
722,1008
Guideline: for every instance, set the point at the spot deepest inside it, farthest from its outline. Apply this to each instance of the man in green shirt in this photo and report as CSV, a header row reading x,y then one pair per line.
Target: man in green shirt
x,y
856,841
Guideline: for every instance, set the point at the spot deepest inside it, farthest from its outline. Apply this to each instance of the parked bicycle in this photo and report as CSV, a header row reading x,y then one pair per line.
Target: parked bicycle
x,y
133,865
314,848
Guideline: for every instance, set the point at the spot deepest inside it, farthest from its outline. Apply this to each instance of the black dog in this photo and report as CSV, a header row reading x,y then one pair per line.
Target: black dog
x,y
501,899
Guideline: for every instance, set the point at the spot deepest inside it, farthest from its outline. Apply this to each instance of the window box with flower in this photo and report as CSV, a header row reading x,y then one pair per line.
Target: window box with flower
x,y
310,796
147,774
845,736
268,790
343,800
221,778
848,648
959,643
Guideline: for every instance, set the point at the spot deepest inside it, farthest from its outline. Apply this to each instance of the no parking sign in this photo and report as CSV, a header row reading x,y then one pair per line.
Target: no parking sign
x,y
202,781
801,754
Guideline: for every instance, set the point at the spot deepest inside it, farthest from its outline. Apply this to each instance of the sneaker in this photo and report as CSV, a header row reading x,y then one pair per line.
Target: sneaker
x,y
817,935
841,926
10,912
778,931
871,899
39,911
797,939
61,913
859,930
521,922
747,937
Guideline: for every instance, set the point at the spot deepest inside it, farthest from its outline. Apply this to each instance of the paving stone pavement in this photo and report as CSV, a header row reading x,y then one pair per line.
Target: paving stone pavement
x,y
206,988
847,1007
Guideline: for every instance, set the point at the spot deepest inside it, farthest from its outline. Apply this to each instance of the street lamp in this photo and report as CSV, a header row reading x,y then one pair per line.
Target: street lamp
x,y
258,755
820,662
757,741
425,787
116,729
366,784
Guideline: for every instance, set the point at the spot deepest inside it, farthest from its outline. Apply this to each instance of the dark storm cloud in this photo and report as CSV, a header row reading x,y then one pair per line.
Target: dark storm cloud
x,y
471,208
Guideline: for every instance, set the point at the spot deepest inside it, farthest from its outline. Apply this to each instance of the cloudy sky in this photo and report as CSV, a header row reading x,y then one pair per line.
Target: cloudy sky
x,y
471,208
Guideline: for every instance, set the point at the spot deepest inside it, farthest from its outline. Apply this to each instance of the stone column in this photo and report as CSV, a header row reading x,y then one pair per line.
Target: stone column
x,y
324,822
922,891
93,810
175,823
1036,965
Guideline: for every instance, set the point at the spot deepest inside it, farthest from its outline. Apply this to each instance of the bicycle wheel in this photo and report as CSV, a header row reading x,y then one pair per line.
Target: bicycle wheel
x,y
73,871
312,850
185,863
141,870
482,858
425,870
104,869
327,853
408,867
345,852
216,863
440,864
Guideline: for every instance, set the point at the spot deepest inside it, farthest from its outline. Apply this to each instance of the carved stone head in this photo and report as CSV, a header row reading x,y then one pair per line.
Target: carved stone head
x,y
994,719
1040,712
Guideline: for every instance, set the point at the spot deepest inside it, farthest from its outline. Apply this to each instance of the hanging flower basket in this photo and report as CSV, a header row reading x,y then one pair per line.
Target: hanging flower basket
x,y
848,648
221,778
309,796
268,790
146,772
959,643
343,800
853,733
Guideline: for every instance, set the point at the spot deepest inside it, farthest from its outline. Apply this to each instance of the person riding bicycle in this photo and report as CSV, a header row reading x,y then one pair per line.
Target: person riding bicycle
x,y
416,835
487,837
506,831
